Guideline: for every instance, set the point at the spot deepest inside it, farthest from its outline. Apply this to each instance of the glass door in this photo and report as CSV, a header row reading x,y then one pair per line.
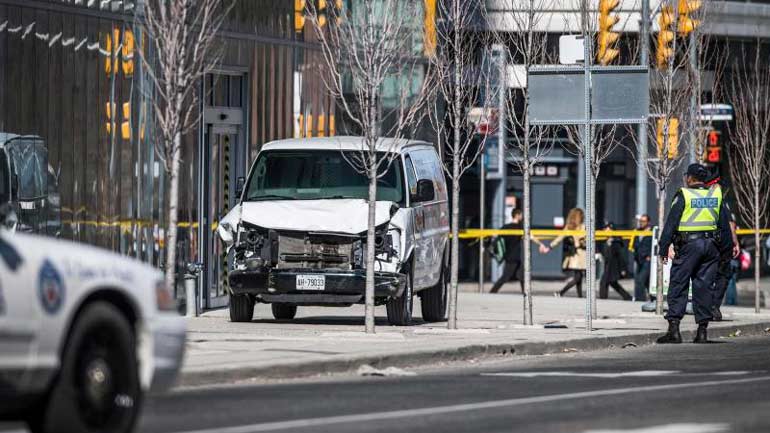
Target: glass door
x,y
219,178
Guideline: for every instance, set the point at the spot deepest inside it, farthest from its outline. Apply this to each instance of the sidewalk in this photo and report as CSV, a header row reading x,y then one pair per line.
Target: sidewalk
x,y
331,340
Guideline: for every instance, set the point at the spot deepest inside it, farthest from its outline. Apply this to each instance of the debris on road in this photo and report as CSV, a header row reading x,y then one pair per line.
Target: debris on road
x,y
368,370
627,345
735,334
569,349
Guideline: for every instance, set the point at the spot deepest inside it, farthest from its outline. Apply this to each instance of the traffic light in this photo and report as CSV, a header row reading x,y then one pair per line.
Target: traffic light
x,y
338,14
672,151
429,28
666,36
713,147
607,38
299,15
686,23
322,19
129,46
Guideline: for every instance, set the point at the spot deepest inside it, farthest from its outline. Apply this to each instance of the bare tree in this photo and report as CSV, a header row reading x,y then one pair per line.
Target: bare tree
x,y
705,76
604,141
525,44
364,48
750,145
670,92
180,49
459,85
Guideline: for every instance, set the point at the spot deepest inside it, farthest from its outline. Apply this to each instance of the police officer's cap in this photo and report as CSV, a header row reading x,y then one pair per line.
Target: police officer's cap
x,y
698,172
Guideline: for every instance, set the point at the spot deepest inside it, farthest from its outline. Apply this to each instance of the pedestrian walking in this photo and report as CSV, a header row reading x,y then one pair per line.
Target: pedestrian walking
x,y
574,263
692,227
511,253
642,257
729,248
615,266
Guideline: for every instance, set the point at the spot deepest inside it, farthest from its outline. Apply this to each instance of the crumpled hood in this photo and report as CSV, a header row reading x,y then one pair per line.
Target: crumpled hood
x,y
340,216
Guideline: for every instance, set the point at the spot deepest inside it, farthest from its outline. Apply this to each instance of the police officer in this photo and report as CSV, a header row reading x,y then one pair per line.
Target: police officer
x,y
692,226
729,248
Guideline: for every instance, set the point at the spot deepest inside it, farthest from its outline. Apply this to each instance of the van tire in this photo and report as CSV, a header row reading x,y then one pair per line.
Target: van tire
x,y
400,309
101,345
434,300
283,311
241,308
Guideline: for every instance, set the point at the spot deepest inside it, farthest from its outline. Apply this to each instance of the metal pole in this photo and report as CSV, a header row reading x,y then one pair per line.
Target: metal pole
x,y
581,180
482,192
694,97
641,151
587,155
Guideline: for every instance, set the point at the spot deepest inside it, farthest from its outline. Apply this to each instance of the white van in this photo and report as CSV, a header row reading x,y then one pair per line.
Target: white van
x,y
298,234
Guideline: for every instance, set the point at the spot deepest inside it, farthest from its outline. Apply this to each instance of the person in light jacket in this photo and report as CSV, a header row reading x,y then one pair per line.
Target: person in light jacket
x,y
574,263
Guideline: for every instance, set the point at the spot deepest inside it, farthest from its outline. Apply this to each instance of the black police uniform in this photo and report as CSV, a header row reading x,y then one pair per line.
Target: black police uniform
x,y
697,256
724,267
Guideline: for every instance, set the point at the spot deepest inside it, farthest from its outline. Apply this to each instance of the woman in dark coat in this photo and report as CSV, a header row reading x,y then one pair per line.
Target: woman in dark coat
x,y
615,267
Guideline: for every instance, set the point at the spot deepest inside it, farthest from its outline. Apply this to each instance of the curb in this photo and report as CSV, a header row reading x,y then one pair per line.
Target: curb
x,y
349,364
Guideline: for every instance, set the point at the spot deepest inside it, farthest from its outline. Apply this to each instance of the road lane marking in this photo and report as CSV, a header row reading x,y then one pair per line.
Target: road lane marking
x,y
616,375
672,428
643,373
438,410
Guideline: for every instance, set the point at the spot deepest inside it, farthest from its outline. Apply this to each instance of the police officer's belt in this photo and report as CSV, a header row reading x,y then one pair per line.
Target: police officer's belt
x,y
691,236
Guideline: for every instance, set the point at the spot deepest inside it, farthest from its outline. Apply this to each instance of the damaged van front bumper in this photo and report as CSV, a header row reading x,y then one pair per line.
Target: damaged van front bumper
x,y
314,286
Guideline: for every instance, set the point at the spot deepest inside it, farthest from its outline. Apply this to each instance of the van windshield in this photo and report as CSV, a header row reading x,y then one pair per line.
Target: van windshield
x,y
317,175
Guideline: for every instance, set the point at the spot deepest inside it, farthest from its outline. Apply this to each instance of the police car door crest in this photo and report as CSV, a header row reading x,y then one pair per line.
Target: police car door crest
x,y
51,289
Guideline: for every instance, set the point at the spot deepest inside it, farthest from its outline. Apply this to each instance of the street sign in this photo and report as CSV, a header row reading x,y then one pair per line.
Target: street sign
x,y
619,95
570,49
716,112
556,95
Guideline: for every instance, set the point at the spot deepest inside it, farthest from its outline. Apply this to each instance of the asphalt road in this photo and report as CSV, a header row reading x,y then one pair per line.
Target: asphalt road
x,y
669,389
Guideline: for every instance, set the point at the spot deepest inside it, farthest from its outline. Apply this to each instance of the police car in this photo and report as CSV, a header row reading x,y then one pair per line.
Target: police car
x,y
84,333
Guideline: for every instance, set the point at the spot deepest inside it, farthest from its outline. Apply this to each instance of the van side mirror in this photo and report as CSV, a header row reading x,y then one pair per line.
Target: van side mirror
x,y
240,183
425,191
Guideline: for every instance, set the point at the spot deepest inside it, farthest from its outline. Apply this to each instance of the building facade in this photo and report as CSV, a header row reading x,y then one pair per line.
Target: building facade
x,y
72,82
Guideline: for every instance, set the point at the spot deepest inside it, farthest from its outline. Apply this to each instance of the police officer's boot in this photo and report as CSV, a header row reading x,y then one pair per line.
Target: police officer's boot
x,y
716,314
672,336
701,336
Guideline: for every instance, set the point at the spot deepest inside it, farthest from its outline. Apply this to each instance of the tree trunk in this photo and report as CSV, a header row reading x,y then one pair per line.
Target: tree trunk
x,y
371,156
173,212
757,251
456,161
659,276
369,313
454,266
527,223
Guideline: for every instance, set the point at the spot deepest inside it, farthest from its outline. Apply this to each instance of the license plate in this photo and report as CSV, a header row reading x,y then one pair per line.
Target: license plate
x,y
311,282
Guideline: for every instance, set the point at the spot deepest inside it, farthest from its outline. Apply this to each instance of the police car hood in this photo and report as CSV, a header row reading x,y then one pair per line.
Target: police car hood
x,y
83,261
347,216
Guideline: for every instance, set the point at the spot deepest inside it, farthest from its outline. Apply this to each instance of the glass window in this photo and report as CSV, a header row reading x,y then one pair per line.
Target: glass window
x,y
318,174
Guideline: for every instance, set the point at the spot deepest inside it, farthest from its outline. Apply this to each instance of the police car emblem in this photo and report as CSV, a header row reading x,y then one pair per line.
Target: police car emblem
x,y
50,288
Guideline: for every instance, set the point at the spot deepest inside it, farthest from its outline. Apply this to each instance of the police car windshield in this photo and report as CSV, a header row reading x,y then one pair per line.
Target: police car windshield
x,y
317,175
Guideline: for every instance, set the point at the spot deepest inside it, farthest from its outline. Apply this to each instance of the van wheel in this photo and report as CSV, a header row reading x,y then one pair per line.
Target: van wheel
x,y
283,311
434,300
241,308
97,388
400,309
